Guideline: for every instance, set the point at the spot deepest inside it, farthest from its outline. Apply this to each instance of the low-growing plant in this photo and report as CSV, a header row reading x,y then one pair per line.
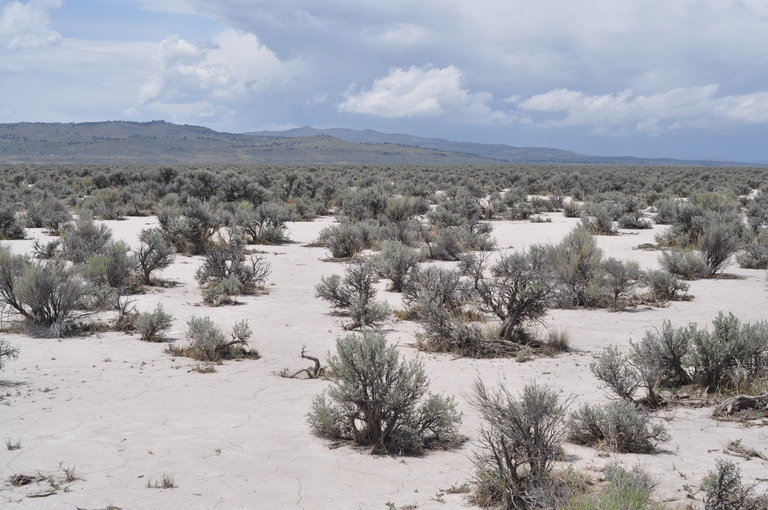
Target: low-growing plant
x,y
354,294
381,401
49,295
155,252
228,270
10,226
755,254
395,261
521,439
618,426
190,227
49,213
724,490
85,239
153,325
207,342
664,286
114,267
626,490
347,239
620,278
687,264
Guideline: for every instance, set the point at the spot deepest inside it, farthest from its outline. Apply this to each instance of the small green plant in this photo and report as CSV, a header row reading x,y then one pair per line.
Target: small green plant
x,y
208,343
153,325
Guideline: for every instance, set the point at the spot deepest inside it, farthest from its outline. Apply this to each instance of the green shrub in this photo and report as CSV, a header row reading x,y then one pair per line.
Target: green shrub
x,y
10,226
664,286
577,262
190,227
380,401
153,325
619,426
355,294
86,239
49,213
49,295
724,490
155,252
209,343
755,254
626,490
521,438
395,261
688,264
228,267
113,268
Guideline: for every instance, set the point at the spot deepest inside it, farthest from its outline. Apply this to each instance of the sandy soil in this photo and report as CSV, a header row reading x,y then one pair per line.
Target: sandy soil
x,y
122,412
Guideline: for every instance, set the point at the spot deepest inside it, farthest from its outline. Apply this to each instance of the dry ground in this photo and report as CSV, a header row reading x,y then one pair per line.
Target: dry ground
x,y
121,411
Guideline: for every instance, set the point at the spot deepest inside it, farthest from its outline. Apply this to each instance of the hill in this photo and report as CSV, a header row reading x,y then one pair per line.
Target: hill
x,y
160,142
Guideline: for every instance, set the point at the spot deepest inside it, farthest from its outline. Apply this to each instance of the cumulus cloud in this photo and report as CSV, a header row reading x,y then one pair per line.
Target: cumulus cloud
x,y
625,112
230,67
25,25
423,92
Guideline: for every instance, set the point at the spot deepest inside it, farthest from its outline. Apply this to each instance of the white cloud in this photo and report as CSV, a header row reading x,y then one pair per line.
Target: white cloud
x,y
25,25
233,65
423,92
624,112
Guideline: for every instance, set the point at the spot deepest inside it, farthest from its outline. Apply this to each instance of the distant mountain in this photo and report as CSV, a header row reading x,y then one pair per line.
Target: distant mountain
x,y
159,142
498,152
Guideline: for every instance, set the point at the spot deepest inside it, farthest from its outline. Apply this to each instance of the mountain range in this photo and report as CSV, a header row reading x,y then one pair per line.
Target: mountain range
x,y
160,142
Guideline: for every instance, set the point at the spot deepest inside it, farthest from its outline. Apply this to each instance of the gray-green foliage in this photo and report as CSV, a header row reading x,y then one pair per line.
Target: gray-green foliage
x,y
724,489
263,224
155,252
613,369
620,277
347,239
395,261
620,426
688,264
47,212
755,254
190,227
228,270
577,262
380,401
114,267
521,439
10,226
664,286
49,295
518,291
153,325
207,342
85,239
626,490
355,294
727,356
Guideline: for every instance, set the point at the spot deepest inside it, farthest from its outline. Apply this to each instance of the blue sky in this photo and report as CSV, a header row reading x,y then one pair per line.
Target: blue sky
x,y
685,79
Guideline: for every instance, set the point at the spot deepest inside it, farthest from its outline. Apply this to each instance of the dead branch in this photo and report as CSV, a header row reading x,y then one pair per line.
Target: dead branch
x,y
312,372
742,402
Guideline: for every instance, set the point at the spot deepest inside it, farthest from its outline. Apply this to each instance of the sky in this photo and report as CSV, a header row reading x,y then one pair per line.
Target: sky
x,y
652,78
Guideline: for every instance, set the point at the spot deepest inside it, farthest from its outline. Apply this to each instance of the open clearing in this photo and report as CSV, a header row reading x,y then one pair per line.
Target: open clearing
x,y
123,412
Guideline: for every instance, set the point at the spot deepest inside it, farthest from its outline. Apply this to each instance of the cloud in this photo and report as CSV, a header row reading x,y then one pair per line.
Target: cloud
x,y
229,68
423,92
26,25
624,112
